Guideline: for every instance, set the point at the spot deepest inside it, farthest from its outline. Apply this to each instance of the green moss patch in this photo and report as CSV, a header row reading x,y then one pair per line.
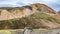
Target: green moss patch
x,y
33,20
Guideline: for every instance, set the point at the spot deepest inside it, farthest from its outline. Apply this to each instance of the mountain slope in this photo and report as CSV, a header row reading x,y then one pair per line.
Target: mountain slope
x,y
59,12
34,15
43,8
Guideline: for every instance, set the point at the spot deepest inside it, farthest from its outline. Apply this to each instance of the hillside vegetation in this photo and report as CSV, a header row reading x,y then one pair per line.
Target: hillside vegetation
x,y
36,20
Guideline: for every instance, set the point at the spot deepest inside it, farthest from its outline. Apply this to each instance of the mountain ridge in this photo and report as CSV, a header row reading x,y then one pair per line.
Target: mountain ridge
x,y
33,15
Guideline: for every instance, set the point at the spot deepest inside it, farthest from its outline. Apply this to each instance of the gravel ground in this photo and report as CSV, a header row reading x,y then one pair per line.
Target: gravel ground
x,y
34,31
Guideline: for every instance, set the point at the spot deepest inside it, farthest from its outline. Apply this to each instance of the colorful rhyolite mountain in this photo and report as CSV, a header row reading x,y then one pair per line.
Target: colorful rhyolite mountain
x,y
59,12
33,15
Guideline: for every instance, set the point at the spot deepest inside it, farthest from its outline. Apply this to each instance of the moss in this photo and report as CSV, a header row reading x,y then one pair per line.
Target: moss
x,y
33,20
42,15
39,9
0,12
5,32
15,9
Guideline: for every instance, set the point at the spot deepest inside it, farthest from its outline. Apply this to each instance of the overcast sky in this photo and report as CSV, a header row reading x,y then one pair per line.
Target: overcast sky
x,y
55,4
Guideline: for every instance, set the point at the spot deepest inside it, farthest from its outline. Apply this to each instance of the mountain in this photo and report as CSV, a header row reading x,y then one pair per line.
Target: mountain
x,y
59,12
33,15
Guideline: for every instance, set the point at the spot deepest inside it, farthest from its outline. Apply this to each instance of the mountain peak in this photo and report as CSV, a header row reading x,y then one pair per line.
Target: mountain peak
x,y
43,6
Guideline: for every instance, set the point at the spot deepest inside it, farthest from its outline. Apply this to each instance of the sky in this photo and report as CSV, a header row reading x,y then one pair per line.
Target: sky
x,y
54,4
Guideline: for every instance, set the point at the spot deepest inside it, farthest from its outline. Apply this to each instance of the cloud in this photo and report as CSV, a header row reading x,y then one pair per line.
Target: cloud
x,y
52,3
55,4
